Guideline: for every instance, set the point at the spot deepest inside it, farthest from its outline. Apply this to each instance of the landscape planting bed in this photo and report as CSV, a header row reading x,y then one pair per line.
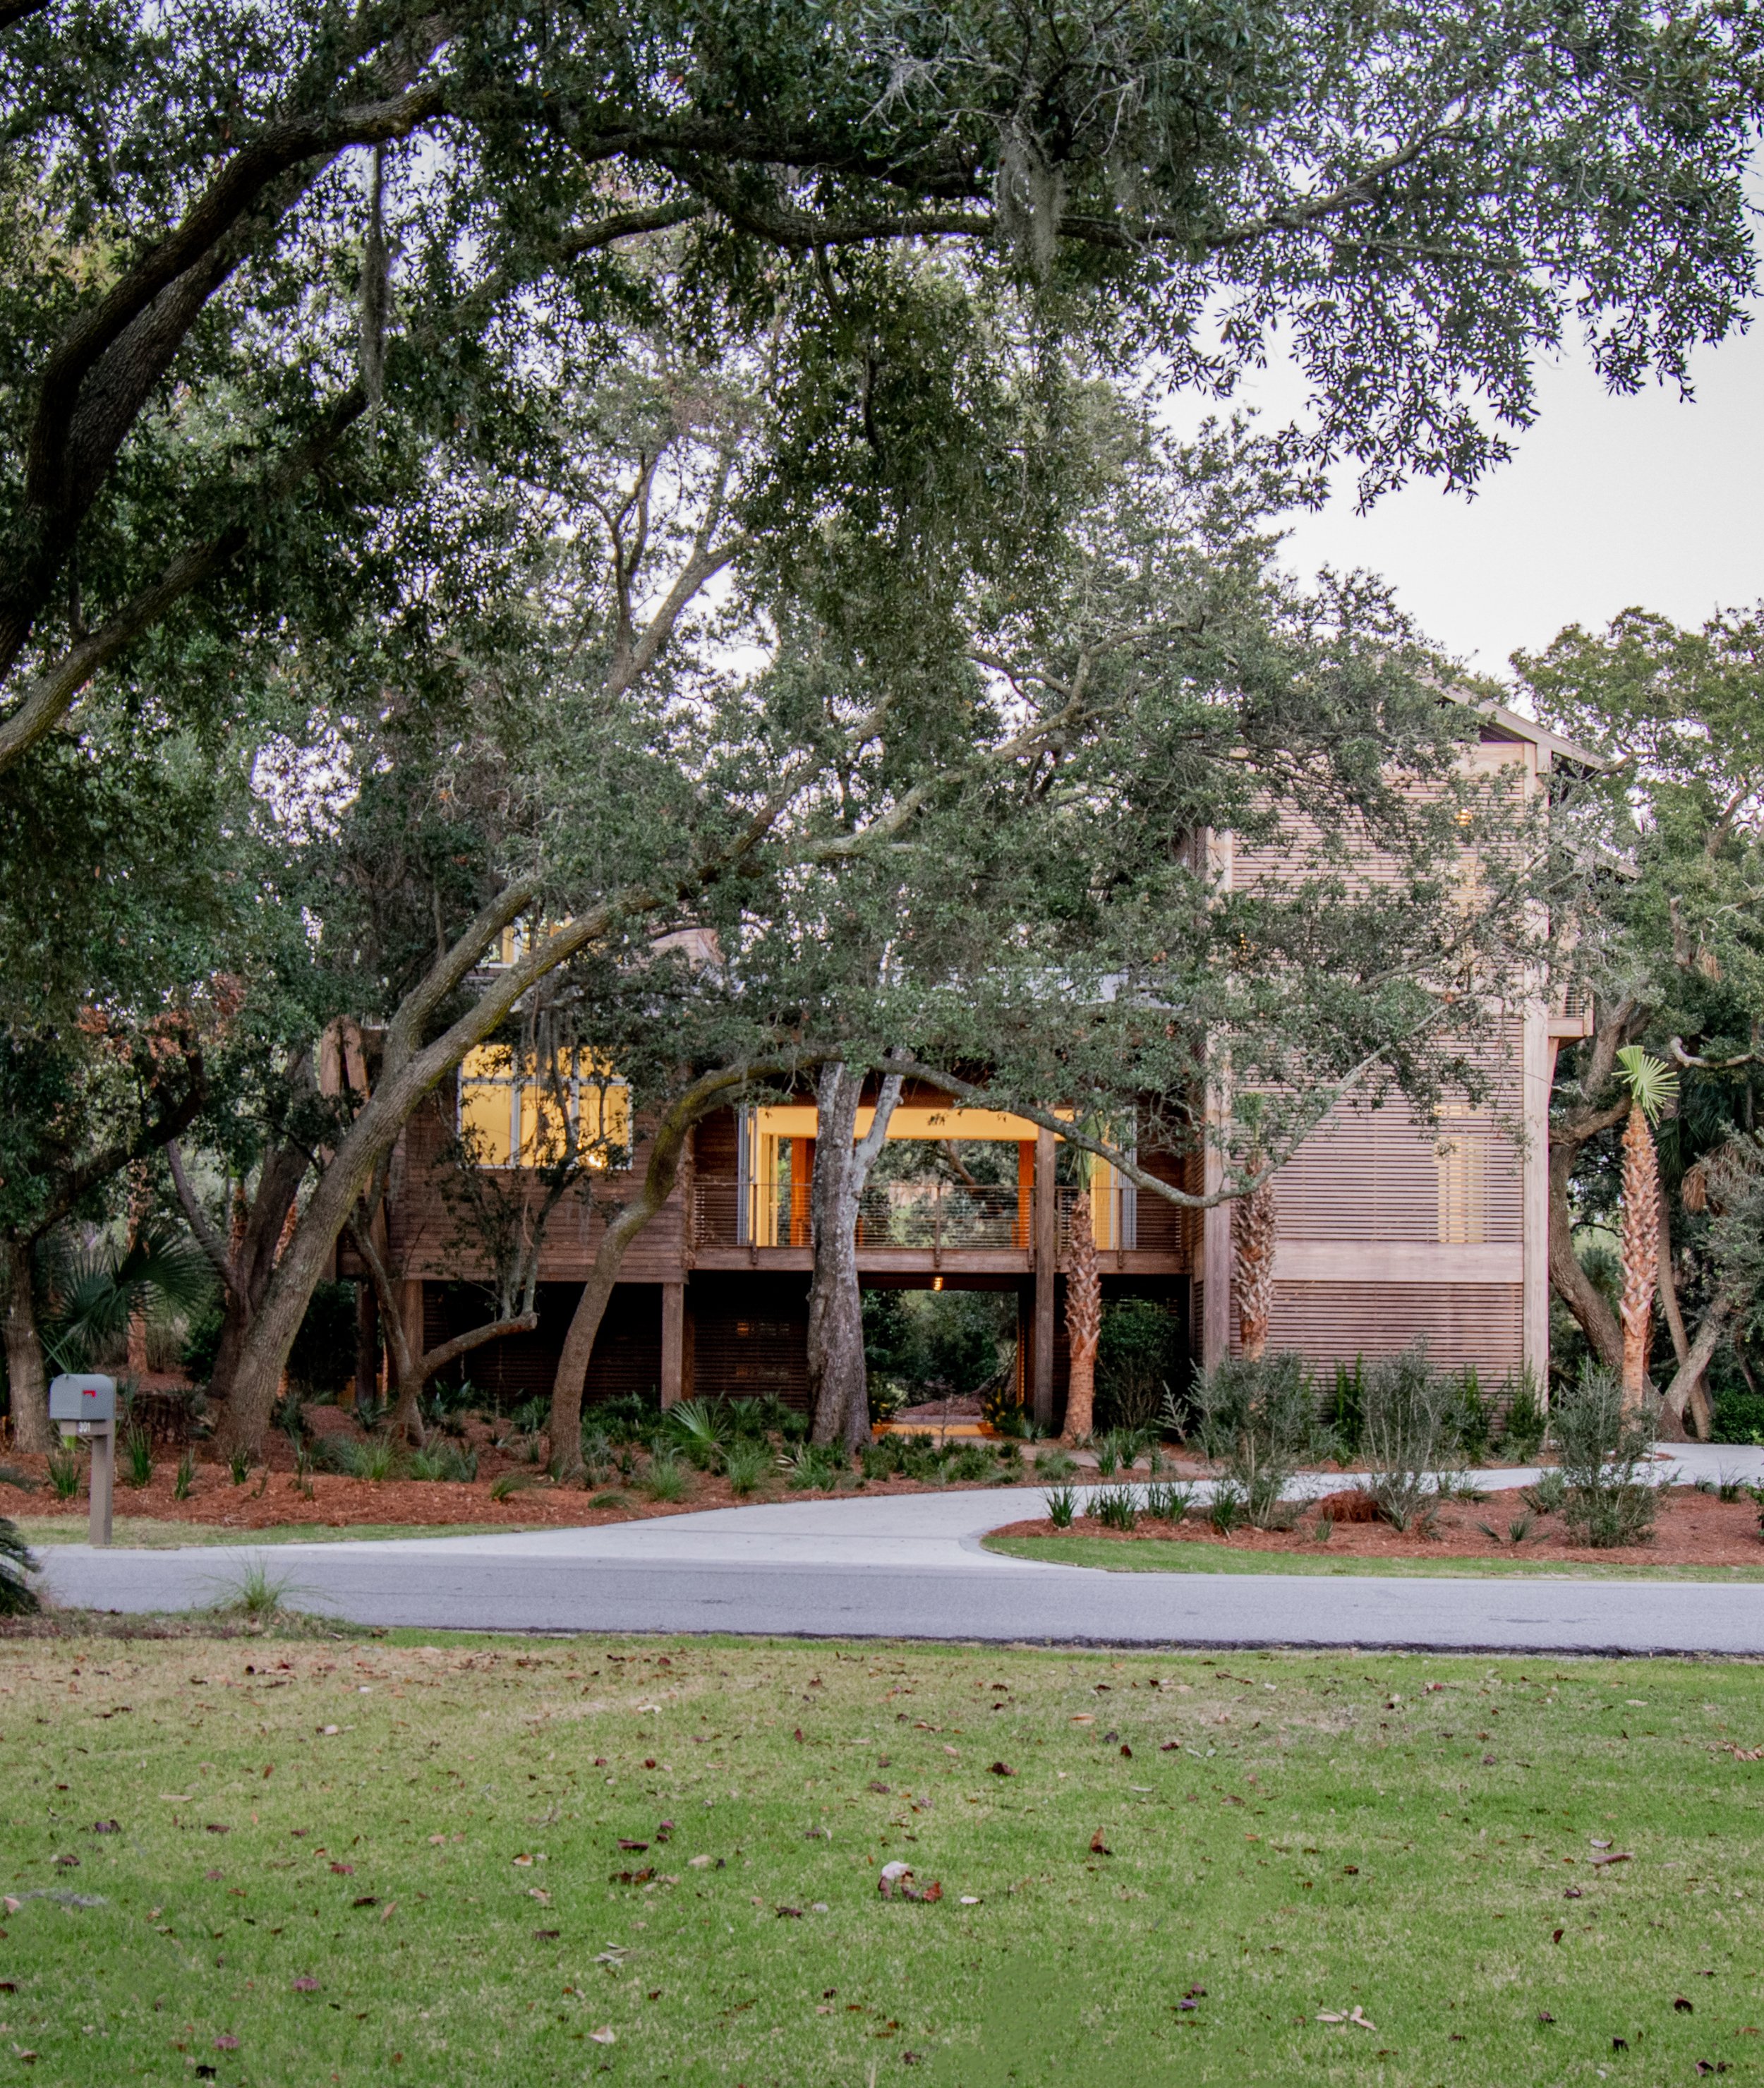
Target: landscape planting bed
x,y
1693,1530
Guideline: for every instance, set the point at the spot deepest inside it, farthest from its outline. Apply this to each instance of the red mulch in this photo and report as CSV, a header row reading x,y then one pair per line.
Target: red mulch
x,y
1693,1529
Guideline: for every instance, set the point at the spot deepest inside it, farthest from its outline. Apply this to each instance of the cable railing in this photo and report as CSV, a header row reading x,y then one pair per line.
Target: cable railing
x,y
936,1215
933,1214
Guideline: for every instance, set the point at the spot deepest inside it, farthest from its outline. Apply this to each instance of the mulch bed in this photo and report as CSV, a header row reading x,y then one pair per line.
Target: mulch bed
x,y
1693,1529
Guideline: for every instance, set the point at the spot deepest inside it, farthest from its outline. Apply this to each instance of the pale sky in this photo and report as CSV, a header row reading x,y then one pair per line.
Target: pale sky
x,y
1608,502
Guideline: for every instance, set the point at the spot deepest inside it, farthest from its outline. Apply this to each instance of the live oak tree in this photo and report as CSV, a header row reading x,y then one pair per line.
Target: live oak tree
x,y
257,270
1671,927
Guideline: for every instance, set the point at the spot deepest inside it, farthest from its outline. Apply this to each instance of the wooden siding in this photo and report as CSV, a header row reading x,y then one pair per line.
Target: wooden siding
x,y
627,1349
750,1336
1479,1323
428,1239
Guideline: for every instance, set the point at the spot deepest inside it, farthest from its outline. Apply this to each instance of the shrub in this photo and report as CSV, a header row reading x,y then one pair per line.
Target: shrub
x,y
239,1467
1135,1362
1524,1425
202,1343
881,1459
1255,1421
64,1471
1347,1405
745,1466
443,1461
1009,1454
628,1418
17,1596
1603,1446
1168,1504
1547,1496
323,1357
1469,1416
1227,1508
665,1479
693,1425
1054,1464
290,1415
137,1458
186,1477
506,1485
970,1465
1062,1506
816,1466
1108,1455
1128,1445
1406,1434
597,1452
1116,1508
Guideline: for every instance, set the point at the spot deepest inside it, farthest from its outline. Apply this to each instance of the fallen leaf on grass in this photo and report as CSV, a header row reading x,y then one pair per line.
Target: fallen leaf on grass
x,y
366,1899
226,2042
343,1870
546,1935
970,1899
790,1914
305,1984
1098,1846
389,1910
606,2034
1682,2007
1001,1769
630,1848
1614,1856
106,1827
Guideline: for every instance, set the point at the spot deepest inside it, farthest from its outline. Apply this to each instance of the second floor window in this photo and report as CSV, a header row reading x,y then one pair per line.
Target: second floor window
x,y
517,1110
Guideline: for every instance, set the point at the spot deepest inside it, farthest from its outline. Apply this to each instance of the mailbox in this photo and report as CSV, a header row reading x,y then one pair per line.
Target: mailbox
x,y
82,1399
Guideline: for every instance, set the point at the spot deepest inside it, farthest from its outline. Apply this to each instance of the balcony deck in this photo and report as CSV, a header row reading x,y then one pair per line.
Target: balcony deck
x,y
907,1229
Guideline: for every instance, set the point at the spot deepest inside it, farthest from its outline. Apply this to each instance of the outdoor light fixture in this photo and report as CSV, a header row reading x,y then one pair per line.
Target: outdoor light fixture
x,y
936,1283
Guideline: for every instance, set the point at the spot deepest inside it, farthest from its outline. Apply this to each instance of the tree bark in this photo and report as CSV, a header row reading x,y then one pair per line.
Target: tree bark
x,y
1686,1399
714,1091
26,1376
1084,1321
1254,1225
838,1384
1639,1242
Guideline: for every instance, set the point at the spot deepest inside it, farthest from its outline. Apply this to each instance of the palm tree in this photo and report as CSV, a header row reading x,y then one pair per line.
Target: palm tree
x,y
1254,1223
1652,1086
1084,1319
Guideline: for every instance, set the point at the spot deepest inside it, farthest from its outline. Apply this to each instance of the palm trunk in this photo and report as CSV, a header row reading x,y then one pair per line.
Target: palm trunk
x,y
26,1376
1084,1321
838,1383
1255,1223
1639,1244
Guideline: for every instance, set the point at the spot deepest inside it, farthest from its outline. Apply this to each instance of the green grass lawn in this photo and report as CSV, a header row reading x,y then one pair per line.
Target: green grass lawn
x,y
397,1860
1179,1555
143,1532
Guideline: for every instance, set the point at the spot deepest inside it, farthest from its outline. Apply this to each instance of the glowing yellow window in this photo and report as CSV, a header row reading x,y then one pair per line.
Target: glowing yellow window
x,y
515,1116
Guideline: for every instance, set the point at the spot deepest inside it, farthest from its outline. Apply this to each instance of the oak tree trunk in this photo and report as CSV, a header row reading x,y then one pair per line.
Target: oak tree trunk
x,y
837,1382
26,1376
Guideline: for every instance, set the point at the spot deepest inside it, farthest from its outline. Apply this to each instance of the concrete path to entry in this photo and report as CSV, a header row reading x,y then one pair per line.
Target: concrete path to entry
x,y
912,1566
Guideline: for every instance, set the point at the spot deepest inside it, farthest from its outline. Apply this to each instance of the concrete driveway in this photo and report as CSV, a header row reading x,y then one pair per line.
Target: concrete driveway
x,y
912,1567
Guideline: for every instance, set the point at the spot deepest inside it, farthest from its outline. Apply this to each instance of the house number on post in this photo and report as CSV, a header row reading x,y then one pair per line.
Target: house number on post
x,y
87,1406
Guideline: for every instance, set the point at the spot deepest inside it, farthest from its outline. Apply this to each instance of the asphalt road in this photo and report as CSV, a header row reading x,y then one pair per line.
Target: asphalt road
x,y
912,1568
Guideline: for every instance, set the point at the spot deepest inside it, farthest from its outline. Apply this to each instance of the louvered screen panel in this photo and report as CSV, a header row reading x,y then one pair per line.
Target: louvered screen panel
x,y
749,1337
1374,1176
627,1349
1461,1323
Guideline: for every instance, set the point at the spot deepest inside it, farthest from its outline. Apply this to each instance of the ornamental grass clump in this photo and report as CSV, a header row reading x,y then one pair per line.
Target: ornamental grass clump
x,y
1168,1504
64,1472
1254,1419
745,1464
1116,1508
1604,1440
1062,1505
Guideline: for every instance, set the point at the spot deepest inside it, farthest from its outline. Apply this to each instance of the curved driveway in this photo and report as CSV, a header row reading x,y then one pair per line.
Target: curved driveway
x,y
912,1567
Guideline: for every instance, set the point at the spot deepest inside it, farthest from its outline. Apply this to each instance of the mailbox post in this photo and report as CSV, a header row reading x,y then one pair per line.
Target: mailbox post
x,y
87,1406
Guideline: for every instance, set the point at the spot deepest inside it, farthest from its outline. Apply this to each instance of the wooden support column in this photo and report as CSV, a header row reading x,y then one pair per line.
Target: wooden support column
x,y
1046,1255
672,1343
1538,1050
